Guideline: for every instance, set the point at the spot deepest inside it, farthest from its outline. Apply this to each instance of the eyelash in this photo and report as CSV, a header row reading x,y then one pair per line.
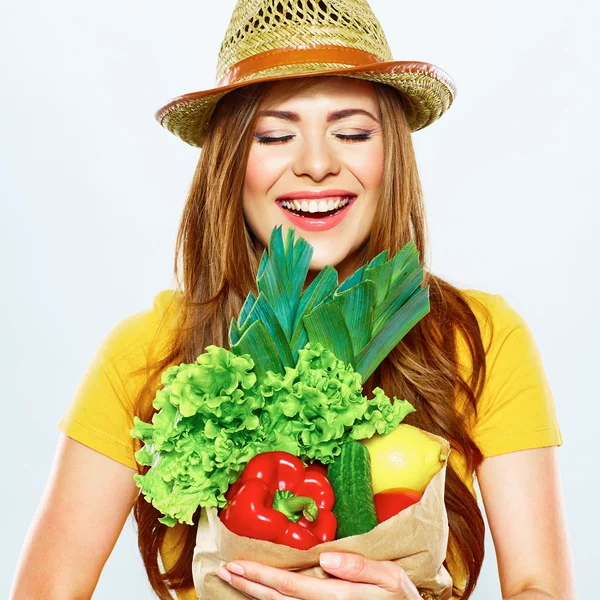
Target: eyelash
x,y
358,137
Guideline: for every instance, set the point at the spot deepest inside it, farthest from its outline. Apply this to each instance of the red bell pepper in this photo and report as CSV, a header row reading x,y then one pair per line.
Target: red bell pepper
x,y
390,502
278,499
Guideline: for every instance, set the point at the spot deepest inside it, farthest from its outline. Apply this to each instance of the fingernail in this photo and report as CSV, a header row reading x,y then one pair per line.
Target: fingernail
x,y
330,559
235,568
224,574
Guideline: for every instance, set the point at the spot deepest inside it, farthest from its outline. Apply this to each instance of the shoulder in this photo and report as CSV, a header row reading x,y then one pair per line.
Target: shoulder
x,y
164,304
101,411
135,333
516,409
508,342
496,317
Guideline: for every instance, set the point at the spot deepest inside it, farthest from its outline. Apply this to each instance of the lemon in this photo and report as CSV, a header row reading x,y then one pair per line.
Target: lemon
x,y
404,458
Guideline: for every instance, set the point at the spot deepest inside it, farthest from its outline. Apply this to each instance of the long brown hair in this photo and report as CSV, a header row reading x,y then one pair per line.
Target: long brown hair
x,y
215,268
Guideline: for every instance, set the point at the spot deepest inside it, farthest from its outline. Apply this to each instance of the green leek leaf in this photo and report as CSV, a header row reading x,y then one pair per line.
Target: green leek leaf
x,y
400,294
246,308
359,274
325,325
351,281
381,275
258,343
357,307
406,259
264,259
321,289
378,260
394,330
284,275
263,311
234,332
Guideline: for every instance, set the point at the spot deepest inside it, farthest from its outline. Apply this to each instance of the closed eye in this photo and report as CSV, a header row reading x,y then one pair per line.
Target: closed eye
x,y
357,137
265,139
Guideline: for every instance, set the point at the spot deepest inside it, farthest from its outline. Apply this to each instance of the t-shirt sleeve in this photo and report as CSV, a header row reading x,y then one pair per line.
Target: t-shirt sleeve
x,y
100,414
516,410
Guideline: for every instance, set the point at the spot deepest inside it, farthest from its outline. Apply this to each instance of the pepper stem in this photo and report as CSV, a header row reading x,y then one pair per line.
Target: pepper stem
x,y
291,506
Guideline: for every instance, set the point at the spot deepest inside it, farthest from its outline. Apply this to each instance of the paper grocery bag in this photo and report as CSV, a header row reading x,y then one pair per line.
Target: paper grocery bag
x,y
416,539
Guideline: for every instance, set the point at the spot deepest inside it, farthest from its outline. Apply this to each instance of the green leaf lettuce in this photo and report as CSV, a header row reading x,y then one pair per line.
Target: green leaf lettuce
x,y
214,415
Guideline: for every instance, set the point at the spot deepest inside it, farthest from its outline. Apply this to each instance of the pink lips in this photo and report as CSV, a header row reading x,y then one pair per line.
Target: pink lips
x,y
314,195
314,223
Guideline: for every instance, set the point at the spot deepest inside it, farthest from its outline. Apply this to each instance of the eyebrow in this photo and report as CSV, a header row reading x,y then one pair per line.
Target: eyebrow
x,y
335,115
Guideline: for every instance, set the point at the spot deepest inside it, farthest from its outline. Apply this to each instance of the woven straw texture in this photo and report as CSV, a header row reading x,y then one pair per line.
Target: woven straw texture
x,y
268,24
258,26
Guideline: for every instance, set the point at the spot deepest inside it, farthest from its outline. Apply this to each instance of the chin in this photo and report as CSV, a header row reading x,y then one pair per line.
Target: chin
x,y
333,247
328,254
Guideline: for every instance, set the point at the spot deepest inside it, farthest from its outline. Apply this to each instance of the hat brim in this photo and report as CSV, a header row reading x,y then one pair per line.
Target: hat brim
x,y
428,89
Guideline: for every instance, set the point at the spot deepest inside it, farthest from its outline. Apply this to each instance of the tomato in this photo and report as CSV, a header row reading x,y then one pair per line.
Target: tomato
x,y
390,502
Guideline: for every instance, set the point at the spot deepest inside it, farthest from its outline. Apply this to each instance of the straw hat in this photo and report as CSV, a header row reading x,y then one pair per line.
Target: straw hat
x,y
282,39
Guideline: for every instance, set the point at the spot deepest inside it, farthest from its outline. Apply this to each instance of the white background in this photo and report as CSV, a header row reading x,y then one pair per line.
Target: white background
x,y
92,189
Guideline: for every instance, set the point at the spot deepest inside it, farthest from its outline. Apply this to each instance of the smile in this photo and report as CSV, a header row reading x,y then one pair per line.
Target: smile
x,y
326,207
317,215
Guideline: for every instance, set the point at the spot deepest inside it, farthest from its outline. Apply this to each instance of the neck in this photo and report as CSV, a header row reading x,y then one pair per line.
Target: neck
x,y
344,269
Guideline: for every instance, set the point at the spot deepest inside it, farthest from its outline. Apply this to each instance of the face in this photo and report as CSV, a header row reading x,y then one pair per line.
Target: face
x,y
316,165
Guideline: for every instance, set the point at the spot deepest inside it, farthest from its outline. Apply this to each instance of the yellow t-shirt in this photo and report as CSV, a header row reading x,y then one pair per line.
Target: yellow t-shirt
x,y
516,410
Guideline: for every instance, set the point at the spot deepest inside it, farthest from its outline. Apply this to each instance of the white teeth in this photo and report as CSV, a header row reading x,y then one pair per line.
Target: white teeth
x,y
313,206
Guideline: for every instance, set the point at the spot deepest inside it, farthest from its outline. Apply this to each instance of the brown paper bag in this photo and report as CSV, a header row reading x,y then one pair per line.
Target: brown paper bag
x,y
416,539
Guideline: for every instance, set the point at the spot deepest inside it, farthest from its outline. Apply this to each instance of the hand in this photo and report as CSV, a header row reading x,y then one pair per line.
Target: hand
x,y
356,578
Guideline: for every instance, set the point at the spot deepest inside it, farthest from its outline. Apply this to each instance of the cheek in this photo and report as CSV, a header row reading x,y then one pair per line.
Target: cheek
x,y
257,176
262,173
263,169
258,179
369,169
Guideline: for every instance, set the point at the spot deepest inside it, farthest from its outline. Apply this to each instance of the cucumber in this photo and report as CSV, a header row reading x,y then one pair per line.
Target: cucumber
x,y
350,477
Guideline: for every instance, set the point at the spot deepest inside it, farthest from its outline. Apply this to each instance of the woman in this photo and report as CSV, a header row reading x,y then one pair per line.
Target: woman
x,y
470,368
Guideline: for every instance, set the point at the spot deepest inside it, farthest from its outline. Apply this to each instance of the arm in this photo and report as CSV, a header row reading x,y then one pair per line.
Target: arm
x,y
81,514
523,504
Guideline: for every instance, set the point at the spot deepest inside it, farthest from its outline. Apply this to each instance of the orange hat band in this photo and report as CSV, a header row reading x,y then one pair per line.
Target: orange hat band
x,y
287,56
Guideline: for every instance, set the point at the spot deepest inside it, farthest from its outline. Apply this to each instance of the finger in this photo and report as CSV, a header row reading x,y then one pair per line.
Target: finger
x,y
354,567
269,583
276,584
251,589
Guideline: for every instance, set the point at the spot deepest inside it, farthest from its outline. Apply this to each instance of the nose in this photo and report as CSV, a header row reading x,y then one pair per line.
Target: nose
x,y
316,158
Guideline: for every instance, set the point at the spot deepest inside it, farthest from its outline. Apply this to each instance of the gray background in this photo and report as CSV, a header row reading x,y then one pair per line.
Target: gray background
x,y
92,189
